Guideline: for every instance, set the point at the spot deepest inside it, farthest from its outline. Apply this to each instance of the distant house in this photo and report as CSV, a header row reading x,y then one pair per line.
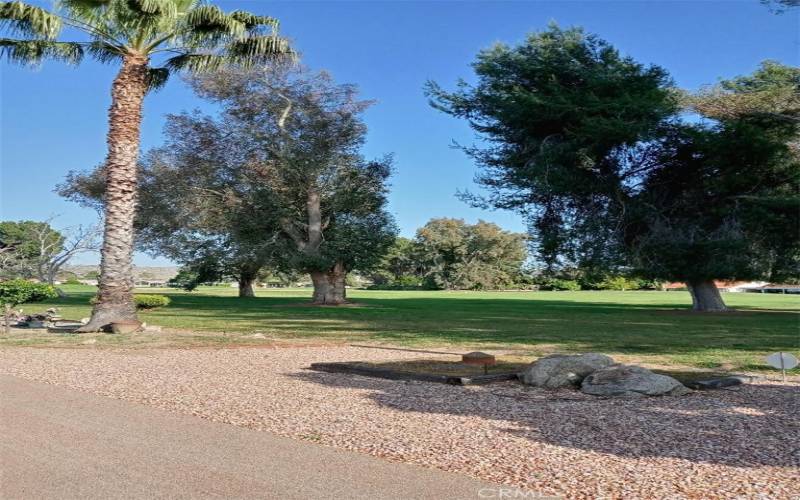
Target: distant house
x,y
739,286
778,288
150,283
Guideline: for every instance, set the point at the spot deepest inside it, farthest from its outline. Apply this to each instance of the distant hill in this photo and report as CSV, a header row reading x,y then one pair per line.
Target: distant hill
x,y
139,272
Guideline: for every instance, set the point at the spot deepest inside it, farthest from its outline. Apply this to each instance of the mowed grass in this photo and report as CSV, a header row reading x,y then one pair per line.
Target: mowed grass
x,y
657,327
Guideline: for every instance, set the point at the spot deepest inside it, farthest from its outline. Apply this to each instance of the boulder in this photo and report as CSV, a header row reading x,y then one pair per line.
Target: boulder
x,y
631,381
562,370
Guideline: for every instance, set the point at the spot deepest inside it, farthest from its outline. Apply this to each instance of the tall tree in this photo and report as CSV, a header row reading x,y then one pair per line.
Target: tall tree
x,y
183,35
560,112
723,201
591,145
400,265
201,203
305,133
455,255
36,250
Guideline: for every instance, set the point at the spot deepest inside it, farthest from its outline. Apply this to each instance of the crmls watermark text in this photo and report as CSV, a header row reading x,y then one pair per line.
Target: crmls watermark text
x,y
513,493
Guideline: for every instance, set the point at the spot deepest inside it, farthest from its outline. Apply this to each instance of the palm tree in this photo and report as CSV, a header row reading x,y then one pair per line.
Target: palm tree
x,y
181,35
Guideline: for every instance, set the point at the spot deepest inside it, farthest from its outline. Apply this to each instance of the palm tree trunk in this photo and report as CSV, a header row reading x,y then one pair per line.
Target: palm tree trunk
x,y
115,294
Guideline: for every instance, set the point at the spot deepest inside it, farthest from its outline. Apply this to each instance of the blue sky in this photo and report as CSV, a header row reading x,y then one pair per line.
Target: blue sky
x,y
53,119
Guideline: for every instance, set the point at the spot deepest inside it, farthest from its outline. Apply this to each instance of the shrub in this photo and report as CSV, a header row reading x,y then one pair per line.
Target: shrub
x,y
144,301
619,283
186,279
406,282
560,284
19,291
15,292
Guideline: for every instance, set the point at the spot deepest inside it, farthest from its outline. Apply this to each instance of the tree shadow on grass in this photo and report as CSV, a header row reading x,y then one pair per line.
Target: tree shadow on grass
x,y
580,326
750,426
594,322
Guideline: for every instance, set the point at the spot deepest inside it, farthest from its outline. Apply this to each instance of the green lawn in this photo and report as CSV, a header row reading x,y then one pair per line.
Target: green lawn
x,y
655,326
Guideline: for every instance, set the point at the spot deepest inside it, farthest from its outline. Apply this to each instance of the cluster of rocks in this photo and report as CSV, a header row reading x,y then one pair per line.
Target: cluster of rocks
x,y
599,375
35,320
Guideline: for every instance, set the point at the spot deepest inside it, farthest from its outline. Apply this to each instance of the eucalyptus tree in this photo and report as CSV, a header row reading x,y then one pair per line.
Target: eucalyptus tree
x,y
199,203
305,132
149,39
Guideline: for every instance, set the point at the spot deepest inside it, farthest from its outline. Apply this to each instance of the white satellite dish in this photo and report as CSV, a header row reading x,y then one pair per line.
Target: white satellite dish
x,y
782,361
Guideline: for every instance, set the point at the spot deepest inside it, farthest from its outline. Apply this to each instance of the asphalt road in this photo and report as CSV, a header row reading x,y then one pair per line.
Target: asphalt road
x,y
60,443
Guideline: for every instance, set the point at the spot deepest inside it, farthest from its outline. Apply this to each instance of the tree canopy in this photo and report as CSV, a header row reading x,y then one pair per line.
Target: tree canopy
x,y
452,254
457,255
276,180
150,39
593,147
31,249
304,134
185,34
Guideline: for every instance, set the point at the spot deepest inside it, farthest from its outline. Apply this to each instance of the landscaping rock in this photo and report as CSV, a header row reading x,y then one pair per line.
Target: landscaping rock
x,y
561,370
631,381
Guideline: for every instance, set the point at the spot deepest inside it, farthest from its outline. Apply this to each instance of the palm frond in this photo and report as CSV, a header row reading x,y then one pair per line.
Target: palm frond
x,y
87,11
195,63
210,19
166,8
20,18
84,4
157,78
105,52
258,50
32,52
253,22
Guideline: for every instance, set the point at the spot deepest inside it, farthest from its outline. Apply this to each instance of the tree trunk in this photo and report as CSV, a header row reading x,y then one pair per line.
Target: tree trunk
x,y
705,296
246,285
329,287
7,319
115,294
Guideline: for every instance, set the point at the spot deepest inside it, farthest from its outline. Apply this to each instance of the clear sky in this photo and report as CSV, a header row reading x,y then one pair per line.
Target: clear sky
x,y
54,119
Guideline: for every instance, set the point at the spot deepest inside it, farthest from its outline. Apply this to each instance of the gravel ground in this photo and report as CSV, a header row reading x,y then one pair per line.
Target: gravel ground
x,y
736,443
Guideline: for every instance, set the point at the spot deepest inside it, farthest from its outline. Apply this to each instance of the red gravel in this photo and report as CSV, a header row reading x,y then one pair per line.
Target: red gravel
x,y
735,443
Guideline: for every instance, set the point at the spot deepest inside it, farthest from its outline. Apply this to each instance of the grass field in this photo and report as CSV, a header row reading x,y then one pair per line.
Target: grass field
x,y
655,326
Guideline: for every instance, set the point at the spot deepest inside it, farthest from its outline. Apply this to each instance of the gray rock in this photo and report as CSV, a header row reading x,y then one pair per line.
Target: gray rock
x,y
631,381
718,383
561,370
